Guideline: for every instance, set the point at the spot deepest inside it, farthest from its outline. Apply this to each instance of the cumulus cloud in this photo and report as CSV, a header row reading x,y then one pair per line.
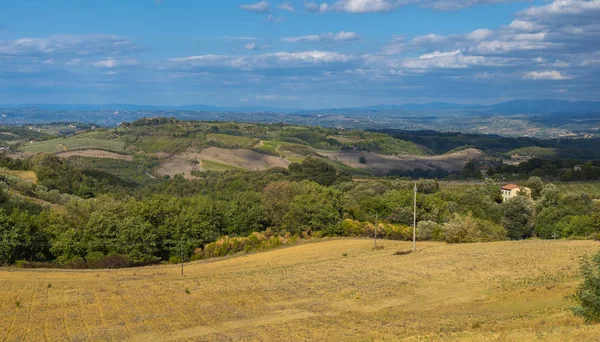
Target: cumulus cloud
x,y
259,7
564,7
552,75
479,35
330,37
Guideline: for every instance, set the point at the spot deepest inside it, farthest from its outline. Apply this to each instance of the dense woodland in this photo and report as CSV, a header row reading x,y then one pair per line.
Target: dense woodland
x,y
71,218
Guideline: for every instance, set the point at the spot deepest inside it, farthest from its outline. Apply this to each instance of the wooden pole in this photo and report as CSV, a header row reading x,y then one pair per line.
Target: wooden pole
x,y
415,221
376,225
181,254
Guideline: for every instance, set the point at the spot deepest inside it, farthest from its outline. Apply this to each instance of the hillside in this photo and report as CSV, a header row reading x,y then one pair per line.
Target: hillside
x,y
333,290
189,147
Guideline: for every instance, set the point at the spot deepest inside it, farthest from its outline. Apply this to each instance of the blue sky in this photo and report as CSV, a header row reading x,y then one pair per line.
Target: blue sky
x,y
298,54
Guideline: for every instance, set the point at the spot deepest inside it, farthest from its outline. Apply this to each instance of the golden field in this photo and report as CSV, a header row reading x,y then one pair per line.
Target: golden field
x,y
335,290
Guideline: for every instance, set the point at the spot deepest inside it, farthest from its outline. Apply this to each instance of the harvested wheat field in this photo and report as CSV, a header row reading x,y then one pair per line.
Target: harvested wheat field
x,y
336,290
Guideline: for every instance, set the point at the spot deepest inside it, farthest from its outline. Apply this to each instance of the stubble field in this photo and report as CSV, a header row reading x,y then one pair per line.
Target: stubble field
x,y
336,290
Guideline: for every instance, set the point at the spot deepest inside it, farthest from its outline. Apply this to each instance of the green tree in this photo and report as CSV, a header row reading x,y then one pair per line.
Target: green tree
x,y
518,217
588,293
549,195
536,185
315,170
314,208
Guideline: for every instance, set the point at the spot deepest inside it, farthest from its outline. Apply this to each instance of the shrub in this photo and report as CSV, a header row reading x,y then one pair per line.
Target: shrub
x,y
174,260
461,230
464,229
588,293
426,230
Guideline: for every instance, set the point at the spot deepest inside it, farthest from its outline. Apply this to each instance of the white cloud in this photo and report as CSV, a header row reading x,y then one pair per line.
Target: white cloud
x,y
564,7
479,35
276,98
259,7
263,61
353,6
114,63
237,38
68,45
380,6
286,7
524,25
250,46
274,19
553,75
451,60
343,36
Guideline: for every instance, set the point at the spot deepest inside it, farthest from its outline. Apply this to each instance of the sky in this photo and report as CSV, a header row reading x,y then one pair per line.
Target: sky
x,y
297,53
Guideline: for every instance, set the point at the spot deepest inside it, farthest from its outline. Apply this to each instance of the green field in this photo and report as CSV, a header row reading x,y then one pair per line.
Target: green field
x,y
72,144
209,165
592,188
231,141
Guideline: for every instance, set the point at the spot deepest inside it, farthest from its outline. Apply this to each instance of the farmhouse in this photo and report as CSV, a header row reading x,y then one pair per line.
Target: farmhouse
x,y
511,190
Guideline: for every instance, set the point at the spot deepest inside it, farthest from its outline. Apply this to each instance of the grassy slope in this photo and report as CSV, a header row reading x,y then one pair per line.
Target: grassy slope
x,y
509,291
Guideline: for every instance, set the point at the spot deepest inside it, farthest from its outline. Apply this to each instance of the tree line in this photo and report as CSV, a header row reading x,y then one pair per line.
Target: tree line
x,y
78,219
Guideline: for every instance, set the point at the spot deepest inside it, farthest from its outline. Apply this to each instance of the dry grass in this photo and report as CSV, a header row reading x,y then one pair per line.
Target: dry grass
x,y
29,176
241,158
338,290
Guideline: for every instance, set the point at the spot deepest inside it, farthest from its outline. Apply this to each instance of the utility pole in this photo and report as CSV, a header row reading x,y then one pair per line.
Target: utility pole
x,y
415,221
376,226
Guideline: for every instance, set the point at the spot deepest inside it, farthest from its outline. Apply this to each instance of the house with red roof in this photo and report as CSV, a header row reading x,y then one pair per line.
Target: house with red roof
x,y
512,190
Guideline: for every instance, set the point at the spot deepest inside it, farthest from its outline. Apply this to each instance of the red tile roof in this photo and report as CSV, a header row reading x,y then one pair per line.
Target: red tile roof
x,y
510,187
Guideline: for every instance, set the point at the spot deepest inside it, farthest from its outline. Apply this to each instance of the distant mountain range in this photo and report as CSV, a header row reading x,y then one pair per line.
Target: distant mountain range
x,y
511,107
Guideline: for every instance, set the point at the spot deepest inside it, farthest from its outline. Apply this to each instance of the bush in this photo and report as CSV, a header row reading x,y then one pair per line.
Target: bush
x,y
465,229
427,229
588,293
461,230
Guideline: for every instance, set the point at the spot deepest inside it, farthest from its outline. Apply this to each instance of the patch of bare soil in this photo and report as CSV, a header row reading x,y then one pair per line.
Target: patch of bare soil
x,y
381,163
94,154
180,164
245,159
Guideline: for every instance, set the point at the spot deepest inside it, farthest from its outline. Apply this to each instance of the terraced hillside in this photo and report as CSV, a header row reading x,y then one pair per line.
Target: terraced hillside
x,y
327,291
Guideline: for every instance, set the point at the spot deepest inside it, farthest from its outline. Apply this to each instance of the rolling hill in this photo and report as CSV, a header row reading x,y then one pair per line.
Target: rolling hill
x,y
332,290
189,147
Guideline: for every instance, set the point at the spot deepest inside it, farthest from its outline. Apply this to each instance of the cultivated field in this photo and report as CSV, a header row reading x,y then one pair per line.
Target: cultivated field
x,y
95,154
71,144
338,290
381,163
241,158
